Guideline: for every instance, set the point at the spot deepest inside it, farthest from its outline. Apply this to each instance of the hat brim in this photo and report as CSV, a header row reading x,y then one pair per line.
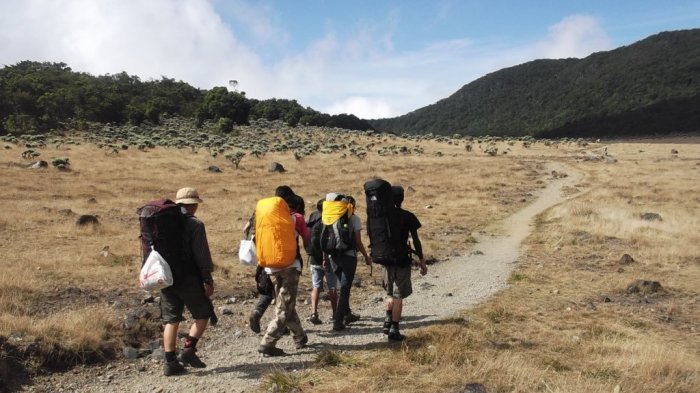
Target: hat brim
x,y
188,201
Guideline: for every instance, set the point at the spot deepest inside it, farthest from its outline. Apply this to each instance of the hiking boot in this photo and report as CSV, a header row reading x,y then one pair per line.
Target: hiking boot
x,y
271,351
386,327
189,357
173,368
314,319
394,335
301,344
350,318
254,321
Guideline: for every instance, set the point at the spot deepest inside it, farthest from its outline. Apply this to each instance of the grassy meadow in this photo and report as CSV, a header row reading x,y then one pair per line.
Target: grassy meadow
x,y
566,323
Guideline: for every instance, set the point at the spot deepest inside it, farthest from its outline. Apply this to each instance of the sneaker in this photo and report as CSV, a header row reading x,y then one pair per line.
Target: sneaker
x,y
271,351
189,357
173,368
254,321
301,344
350,318
396,336
386,327
314,319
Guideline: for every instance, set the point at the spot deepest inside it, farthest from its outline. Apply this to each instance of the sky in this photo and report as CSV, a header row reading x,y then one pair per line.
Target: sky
x,y
373,59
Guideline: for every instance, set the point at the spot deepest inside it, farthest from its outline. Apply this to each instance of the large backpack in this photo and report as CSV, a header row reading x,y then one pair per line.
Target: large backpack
x,y
275,238
384,225
162,226
337,237
315,226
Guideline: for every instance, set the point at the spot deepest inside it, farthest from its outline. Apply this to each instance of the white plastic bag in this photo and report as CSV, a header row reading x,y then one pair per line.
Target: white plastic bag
x,y
246,253
155,273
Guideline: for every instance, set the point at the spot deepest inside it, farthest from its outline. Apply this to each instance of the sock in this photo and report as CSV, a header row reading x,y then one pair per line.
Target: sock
x,y
170,357
395,326
191,342
387,318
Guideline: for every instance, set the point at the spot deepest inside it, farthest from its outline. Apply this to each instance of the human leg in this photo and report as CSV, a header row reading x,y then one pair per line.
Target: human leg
x,y
286,285
347,266
316,285
332,283
399,287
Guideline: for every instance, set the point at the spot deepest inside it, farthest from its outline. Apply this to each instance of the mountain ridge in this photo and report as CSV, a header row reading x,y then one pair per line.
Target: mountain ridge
x,y
649,87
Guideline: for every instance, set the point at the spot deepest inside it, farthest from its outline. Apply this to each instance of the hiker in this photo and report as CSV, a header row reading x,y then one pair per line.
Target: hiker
x,y
277,229
192,287
397,276
319,269
343,263
263,284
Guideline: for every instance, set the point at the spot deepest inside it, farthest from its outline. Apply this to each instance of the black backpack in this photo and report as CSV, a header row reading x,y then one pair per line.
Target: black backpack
x,y
315,226
384,225
337,238
162,225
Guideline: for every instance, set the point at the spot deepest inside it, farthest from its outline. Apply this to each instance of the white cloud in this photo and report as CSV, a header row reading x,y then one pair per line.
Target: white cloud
x,y
359,72
371,108
575,36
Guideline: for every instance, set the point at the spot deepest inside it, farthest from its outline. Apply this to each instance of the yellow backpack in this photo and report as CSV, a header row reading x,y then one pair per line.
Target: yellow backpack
x,y
275,239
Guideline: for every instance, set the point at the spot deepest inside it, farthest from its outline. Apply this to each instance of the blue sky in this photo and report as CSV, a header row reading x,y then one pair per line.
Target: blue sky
x,y
370,58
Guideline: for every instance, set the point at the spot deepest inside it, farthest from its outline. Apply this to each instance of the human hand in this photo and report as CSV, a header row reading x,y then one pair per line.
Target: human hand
x,y
423,268
209,289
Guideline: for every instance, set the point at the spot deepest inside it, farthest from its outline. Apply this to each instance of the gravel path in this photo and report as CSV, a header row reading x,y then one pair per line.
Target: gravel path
x,y
230,350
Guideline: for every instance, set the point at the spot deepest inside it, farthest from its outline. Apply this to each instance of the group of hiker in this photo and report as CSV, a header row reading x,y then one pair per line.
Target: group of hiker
x,y
331,238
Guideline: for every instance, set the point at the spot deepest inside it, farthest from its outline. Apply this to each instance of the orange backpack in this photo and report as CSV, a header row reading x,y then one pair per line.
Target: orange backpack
x,y
275,238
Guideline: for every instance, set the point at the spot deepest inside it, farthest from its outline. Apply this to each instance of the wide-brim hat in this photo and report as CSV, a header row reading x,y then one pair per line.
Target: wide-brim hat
x,y
187,196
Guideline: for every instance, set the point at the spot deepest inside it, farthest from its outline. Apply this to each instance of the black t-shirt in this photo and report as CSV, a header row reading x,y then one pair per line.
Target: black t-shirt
x,y
408,222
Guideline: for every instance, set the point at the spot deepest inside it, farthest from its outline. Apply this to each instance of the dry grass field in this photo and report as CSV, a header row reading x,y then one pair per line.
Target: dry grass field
x,y
566,324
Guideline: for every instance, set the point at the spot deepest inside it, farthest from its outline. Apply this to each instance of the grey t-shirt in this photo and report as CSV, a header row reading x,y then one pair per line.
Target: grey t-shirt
x,y
355,226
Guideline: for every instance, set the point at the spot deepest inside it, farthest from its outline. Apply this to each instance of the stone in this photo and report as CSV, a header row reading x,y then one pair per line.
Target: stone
x,y
626,259
651,217
674,151
225,310
87,219
92,200
214,169
39,164
644,287
474,388
277,167
130,353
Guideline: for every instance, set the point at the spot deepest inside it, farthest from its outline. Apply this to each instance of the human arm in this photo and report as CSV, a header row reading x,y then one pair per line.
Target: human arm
x,y
359,246
419,251
201,254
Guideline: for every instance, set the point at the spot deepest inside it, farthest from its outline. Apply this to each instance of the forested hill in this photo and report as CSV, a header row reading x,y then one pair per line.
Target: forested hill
x,y
41,96
649,87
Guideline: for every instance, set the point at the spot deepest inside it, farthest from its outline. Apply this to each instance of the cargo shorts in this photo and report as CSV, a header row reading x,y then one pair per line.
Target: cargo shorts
x,y
397,281
187,293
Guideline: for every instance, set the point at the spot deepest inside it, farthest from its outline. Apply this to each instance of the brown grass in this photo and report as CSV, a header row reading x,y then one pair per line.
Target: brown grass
x,y
565,324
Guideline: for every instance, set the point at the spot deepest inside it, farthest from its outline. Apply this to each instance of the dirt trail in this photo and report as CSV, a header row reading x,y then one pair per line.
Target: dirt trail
x,y
235,366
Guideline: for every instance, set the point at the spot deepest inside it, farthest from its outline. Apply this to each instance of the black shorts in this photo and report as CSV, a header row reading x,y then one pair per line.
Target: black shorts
x,y
187,293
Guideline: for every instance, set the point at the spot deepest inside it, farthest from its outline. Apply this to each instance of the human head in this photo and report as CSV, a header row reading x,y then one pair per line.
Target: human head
x,y
189,198
296,203
283,191
334,196
319,205
397,194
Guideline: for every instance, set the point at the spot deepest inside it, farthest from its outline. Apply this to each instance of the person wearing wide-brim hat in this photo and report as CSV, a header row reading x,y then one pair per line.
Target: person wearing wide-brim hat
x,y
192,288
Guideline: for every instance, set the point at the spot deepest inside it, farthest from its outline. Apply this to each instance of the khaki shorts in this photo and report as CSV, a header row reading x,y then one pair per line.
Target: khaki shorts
x,y
397,281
